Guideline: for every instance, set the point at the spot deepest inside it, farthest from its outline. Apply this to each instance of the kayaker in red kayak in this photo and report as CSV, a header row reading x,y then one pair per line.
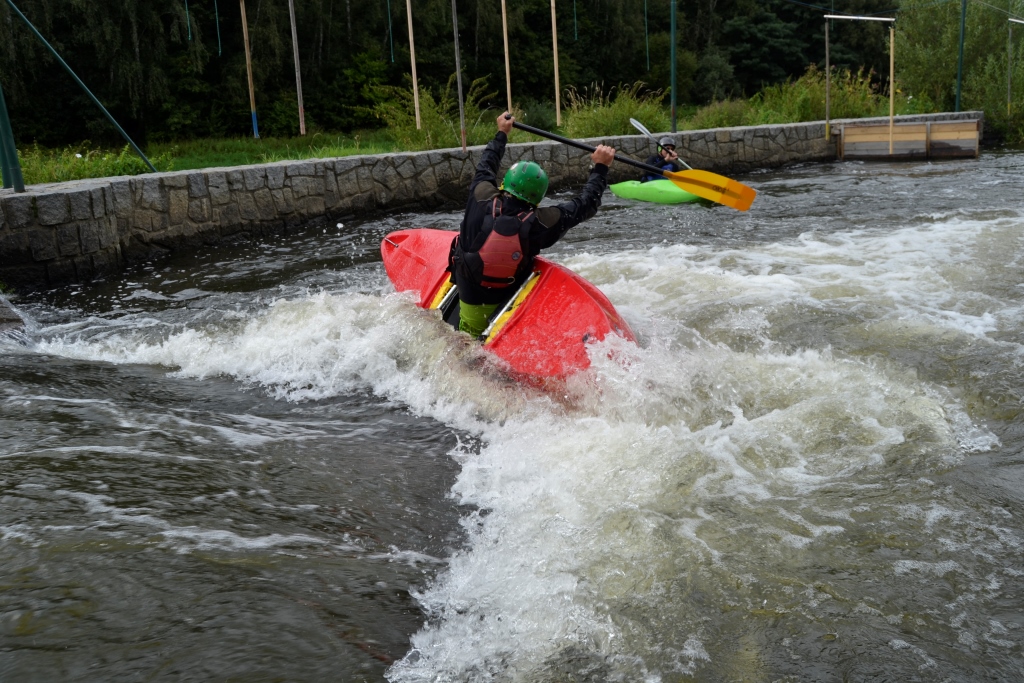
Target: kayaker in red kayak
x,y
503,229
666,159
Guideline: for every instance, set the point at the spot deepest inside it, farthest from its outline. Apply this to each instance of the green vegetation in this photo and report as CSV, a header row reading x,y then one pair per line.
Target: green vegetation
x,y
591,113
854,95
588,113
71,163
439,117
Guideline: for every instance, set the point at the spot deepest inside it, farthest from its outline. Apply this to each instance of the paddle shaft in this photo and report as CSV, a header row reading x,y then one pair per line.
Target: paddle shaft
x,y
582,145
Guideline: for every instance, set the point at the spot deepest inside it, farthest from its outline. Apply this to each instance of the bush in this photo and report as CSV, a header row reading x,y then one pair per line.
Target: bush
x,y
853,96
439,118
591,113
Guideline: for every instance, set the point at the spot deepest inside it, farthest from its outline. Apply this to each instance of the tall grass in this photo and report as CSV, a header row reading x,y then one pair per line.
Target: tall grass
x,y
853,95
439,116
208,153
39,165
591,113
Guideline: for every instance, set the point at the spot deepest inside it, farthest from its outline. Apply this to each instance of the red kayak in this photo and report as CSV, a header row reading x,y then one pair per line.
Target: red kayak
x,y
544,329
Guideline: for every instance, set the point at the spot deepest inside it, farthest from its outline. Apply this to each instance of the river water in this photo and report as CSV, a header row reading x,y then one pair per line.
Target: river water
x,y
260,463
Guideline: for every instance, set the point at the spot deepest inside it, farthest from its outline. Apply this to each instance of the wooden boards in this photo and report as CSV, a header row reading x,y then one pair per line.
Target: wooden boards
x,y
931,140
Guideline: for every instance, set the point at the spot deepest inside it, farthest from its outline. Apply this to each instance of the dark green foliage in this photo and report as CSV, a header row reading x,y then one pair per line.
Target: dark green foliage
x,y
161,85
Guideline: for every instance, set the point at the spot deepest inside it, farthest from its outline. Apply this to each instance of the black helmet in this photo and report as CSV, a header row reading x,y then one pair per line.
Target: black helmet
x,y
666,141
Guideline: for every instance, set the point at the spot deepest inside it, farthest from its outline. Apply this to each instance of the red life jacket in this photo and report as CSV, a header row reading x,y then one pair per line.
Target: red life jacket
x,y
501,250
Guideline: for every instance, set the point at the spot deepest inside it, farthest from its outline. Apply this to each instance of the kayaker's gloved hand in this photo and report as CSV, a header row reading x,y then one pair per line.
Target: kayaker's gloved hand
x,y
603,155
505,121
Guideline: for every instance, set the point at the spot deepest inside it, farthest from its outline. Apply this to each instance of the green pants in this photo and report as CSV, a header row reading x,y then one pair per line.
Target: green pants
x,y
473,318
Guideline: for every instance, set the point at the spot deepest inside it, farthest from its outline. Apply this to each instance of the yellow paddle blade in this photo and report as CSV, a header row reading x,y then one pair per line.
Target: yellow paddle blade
x,y
715,187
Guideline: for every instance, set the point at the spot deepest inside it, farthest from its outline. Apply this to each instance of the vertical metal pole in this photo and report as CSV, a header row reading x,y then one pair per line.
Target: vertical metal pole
x,y
508,70
554,48
412,58
216,19
647,38
391,34
892,82
828,88
298,72
1009,67
248,71
960,60
78,80
9,163
672,56
458,74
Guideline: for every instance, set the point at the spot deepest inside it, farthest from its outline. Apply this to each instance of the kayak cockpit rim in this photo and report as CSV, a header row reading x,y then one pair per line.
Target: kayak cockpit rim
x,y
508,305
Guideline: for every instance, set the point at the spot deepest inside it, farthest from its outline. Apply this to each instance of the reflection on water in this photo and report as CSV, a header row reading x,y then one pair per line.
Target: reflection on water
x,y
260,462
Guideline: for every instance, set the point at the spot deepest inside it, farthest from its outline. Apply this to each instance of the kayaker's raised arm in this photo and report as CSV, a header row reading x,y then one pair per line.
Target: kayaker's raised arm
x,y
560,218
490,160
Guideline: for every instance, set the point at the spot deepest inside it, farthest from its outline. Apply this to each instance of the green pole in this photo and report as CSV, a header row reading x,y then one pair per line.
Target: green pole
x,y
9,163
672,32
81,84
960,61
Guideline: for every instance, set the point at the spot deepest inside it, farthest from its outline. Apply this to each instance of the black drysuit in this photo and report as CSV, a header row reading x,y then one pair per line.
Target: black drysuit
x,y
548,223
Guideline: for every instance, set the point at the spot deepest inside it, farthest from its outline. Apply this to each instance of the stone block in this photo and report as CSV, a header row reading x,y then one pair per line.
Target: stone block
x,y
228,215
331,195
90,233
177,206
427,182
52,209
348,184
107,232
404,167
122,197
265,204
197,186
364,178
310,207
19,211
154,195
283,201
84,270
199,210
255,177
275,177
175,180
105,262
97,197
299,168
220,194
247,208
81,205
67,240
302,186
236,181
15,247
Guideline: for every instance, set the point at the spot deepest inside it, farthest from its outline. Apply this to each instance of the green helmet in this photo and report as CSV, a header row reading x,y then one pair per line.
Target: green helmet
x,y
527,181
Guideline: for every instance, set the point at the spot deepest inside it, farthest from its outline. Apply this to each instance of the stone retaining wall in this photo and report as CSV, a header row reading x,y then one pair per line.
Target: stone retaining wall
x,y
60,233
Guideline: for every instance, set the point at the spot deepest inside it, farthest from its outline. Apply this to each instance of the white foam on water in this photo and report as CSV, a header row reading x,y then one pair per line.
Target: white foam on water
x,y
705,463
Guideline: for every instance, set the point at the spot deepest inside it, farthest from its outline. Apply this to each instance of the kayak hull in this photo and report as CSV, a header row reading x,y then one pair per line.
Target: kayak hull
x,y
545,330
657,191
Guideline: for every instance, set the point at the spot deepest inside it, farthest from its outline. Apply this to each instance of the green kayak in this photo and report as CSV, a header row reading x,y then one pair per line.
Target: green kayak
x,y
658,191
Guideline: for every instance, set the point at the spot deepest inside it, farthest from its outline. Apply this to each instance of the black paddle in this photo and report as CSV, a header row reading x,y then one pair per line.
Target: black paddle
x,y
706,184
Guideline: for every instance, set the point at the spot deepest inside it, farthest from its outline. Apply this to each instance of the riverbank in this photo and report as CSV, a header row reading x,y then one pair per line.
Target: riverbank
x,y
76,231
